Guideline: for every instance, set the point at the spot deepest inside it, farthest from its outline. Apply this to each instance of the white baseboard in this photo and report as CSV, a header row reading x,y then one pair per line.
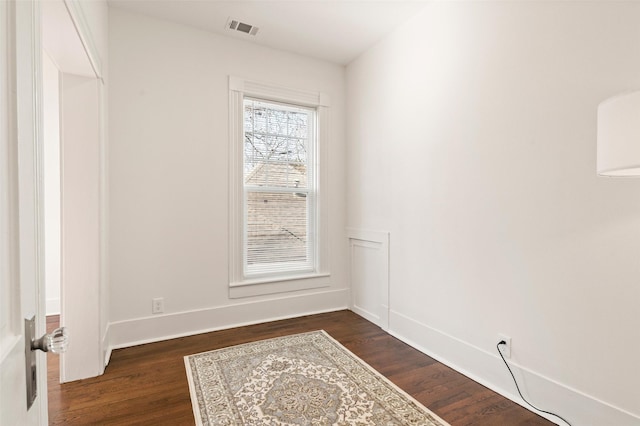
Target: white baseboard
x,y
489,370
163,327
53,306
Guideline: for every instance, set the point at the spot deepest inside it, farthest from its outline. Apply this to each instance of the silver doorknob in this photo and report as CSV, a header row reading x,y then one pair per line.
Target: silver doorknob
x,y
57,341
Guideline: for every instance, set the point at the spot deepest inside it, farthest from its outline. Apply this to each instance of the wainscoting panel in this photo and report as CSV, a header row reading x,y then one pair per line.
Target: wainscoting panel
x,y
369,275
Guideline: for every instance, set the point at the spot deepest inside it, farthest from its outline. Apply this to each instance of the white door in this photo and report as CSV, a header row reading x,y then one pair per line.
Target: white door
x,y
20,210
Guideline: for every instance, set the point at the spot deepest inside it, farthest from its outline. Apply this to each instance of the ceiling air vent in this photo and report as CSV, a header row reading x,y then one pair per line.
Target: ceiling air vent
x,y
236,25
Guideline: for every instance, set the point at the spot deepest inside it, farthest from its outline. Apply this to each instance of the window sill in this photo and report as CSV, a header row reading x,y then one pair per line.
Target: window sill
x,y
282,284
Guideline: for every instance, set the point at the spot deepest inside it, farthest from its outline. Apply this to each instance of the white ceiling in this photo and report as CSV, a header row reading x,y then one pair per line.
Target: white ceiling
x,y
333,30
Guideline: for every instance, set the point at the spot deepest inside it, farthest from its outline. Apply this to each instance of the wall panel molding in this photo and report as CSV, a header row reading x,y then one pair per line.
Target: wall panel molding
x,y
369,275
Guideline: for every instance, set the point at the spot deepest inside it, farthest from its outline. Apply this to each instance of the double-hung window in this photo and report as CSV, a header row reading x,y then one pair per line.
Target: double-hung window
x,y
279,188
278,214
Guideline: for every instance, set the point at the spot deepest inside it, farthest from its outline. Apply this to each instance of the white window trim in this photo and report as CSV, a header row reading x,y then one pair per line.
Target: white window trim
x,y
239,286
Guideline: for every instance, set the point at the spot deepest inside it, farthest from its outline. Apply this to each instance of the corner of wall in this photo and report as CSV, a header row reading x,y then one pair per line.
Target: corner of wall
x,y
489,370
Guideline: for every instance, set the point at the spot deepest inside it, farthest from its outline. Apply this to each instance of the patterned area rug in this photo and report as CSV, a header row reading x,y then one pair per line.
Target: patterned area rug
x,y
303,379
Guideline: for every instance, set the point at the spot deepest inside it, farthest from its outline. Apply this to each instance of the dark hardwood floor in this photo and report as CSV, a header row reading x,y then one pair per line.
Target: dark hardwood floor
x,y
147,384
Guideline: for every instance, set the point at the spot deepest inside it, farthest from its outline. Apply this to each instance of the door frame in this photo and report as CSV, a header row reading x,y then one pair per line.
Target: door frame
x,y
83,289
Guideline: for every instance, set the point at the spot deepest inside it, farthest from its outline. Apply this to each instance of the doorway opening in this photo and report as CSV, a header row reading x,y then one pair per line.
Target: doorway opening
x,y
73,191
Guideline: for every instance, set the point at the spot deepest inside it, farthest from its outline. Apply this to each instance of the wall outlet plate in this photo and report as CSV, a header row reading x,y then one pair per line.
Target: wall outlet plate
x,y
157,305
505,349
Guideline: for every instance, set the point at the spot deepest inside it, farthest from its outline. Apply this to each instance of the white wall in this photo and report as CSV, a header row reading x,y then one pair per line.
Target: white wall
x,y
471,134
169,184
51,164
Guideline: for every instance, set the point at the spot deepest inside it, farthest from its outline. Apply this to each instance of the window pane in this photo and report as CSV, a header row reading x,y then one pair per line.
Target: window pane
x,y
276,227
277,146
276,139
278,175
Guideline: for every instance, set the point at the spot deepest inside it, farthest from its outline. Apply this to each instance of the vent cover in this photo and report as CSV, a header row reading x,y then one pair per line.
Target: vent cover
x,y
236,25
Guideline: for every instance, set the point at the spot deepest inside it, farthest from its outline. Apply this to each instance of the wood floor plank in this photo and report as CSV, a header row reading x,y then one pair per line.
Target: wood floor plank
x,y
147,384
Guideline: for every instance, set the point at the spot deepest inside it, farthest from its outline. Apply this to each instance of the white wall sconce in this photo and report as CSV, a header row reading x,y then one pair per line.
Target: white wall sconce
x,y
618,153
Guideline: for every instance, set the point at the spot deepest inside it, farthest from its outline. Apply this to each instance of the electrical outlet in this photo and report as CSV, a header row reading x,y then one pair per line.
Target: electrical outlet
x,y
505,349
157,305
